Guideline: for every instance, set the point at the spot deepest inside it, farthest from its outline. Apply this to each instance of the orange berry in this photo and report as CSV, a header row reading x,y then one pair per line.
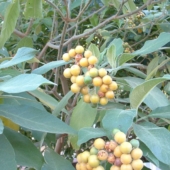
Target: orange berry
x,y
109,94
137,164
84,62
92,60
107,79
111,158
80,80
104,88
112,145
97,81
88,167
99,143
67,73
84,90
94,98
102,155
72,53
113,86
120,137
87,53
102,72
117,152
103,101
126,158
79,49
100,94
136,153
75,88
66,57
78,166
75,70
86,98
125,147
93,72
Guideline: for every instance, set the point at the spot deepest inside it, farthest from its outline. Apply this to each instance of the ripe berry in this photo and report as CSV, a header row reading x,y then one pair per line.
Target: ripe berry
x,y
104,88
93,161
73,79
114,167
102,72
94,98
103,101
111,158
86,98
134,143
82,165
84,62
113,86
126,167
75,88
100,94
93,72
126,158
136,153
125,147
66,57
117,152
107,79
80,80
137,164
87,53
87,80
99,168
99,143
79,49
92,60
72,53
77,166
75,70
97,81
84,90
79,158
117,162
120,137
112,145
102,155
109,94
88,167
84,156
67,73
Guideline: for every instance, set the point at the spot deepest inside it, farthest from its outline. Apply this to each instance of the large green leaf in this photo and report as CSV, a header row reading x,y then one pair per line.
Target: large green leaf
x,y
125,57
23,82
88,133
26,154
7,155
62,103
23,54
45,68
140,92
111,56
154,99
95,50
11,16
33,9
57,162
149,132
83,116
117,118
1,127
35,119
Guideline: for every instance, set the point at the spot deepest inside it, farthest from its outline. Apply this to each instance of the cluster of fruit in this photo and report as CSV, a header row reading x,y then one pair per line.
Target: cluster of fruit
x,y
127,48
94,84
121,154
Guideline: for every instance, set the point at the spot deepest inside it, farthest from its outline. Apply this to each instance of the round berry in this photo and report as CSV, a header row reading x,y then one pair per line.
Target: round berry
x,y
84,62
113,86
125,147
93,161
73,79
109,94
79,49
102,155
87,53
137,164
104,88
99,143
75,88
67,73
103,101
84,90
75,70
92,60
87,80
80,80
114,167
66,57
94,99
136,153
97,81
117,152
126,158
93,72
102,72
107,79
120,137
72,53
86,98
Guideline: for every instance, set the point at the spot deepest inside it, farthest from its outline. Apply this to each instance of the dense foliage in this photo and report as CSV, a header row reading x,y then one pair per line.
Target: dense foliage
x,y
43,124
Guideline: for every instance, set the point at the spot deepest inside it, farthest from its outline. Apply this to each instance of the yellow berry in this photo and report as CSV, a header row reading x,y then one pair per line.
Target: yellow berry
x,y
92,60
86,98
97,81
84,62
107,79
136,153
137,164
79,49
75,88
113,86
67,73
117,152
93,72
126,158
73,79
109,94
99,143
87,53
93,161
114,167
80,80
104,88
126,167
72,53
125,147
102,72
94,98
75,70
120,137
103,101
84,90
66,57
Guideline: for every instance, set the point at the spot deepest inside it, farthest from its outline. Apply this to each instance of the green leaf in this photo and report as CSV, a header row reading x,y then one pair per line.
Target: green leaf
x,y
3,7
33,9
26,154
125,57
152,65
88,133
62,103
83,116
136,72
10,20
23,54
35,119
140,92
155,97
46,67
149,132
24,42
4,52
94,20
111,56
23,82
161,112
153,45
130,5
95,50
7,155
55,161
117,118
11,72
1,127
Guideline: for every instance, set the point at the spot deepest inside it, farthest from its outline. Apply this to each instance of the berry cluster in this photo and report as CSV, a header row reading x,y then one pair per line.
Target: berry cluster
x,y
127,47
94,84
121,154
